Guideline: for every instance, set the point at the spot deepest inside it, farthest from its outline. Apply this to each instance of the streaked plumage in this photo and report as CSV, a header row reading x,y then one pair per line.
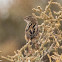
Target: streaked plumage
x,y
31,30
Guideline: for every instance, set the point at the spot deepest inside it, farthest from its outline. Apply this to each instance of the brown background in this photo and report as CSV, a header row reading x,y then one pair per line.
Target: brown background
x,y
12,25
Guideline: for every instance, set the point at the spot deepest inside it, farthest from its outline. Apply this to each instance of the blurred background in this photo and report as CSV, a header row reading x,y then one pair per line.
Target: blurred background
x,y
12,25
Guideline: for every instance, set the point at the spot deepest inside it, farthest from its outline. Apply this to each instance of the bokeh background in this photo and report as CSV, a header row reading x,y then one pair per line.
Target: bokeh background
x,y
12,25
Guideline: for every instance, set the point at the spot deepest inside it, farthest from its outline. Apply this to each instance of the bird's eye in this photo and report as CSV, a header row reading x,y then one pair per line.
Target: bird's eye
x,y
27,18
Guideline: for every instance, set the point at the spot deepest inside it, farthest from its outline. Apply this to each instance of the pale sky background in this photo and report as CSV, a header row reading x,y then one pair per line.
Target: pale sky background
x,y
4,6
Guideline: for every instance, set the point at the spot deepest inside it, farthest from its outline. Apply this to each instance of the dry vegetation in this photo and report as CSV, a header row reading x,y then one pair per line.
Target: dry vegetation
x,y
48,48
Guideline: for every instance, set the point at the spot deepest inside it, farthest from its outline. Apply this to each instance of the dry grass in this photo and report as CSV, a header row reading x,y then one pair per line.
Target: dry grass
x,y
48,48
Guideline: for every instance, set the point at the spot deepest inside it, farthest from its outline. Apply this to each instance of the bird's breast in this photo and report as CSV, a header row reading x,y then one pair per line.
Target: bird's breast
x,y
31,30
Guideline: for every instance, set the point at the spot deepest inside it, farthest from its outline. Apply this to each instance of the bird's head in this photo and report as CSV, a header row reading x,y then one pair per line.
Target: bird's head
x,y
29,19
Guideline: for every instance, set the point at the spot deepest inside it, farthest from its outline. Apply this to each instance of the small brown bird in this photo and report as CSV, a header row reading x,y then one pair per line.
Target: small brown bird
x,y
31,30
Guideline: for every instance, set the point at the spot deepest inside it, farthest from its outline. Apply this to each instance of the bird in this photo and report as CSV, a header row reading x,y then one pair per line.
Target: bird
x,y
31,30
